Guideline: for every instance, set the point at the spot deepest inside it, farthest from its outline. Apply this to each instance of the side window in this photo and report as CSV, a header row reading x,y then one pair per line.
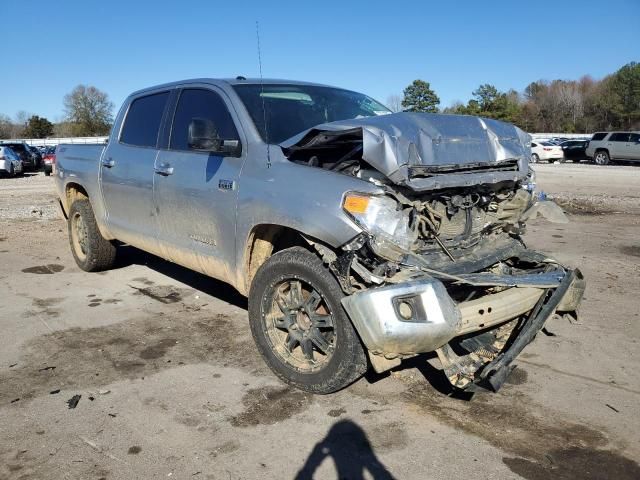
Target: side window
x,y
619,137
635,137
598,136
533,144
143,120
203,113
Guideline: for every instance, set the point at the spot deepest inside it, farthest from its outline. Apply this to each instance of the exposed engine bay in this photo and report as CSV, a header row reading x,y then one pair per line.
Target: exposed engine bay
x,y
440,264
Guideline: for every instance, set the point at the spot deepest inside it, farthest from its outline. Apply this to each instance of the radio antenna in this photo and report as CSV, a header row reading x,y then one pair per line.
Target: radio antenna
x,y
264,108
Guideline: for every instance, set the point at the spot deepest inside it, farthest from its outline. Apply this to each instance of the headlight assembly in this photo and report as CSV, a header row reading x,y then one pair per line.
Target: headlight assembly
x,y
381,217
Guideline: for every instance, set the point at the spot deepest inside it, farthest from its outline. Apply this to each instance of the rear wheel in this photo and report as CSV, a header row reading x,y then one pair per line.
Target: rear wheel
x,y
535,158
12,172
91,251
299,325
602,157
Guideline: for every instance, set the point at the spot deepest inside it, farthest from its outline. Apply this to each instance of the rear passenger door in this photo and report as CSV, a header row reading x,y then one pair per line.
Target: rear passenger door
x,y
617,145
196,184
127,172
634,146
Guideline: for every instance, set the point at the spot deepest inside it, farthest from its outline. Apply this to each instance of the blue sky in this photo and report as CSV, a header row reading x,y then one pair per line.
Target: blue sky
x,y
374,47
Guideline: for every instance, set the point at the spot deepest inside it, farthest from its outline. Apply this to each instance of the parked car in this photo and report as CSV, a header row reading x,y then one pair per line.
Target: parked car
x,y
353,232
38,156
575,150
49,160
29,160
558,140
10,163
607,146
546,151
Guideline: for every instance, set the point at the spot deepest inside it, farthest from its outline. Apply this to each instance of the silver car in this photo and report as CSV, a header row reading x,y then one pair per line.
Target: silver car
x,y
10,163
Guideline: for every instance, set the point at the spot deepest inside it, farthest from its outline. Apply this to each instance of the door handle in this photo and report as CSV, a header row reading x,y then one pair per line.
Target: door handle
x,y
165,169
108,163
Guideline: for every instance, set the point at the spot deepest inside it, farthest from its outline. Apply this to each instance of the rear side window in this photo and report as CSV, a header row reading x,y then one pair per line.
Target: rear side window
x,y
205,107
534,144
619,137
635,137
598,136
143,120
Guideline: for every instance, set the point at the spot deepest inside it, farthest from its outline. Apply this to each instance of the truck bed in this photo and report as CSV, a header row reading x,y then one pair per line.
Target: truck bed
x,y
80,164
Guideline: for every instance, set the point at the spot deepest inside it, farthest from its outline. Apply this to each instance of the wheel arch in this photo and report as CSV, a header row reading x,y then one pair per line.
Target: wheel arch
x,y
73,191
263,241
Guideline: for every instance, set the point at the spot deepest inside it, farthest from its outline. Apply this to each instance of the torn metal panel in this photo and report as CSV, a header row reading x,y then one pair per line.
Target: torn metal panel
x,y
538,280
426,151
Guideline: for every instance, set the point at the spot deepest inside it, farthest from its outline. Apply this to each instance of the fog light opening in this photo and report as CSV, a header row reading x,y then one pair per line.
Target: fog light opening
x,y
405,310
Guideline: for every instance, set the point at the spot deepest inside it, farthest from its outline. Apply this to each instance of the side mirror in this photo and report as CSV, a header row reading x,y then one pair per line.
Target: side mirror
x,y
203,136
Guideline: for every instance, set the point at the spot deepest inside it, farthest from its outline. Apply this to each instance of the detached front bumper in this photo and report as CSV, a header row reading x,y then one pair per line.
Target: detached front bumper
x,y
420,316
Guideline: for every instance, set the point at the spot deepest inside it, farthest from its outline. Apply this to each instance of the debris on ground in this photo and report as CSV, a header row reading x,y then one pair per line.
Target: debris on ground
x,y
53,392
73,401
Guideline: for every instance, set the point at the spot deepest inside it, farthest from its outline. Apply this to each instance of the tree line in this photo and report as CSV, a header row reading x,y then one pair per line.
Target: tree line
x,y
583,105
88,112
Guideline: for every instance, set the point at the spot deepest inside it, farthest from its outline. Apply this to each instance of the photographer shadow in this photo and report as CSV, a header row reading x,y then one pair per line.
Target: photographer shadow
x,y
347,444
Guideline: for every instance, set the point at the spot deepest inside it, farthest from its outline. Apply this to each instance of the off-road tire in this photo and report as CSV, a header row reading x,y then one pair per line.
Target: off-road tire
x,y
99,253
535,158
348,361
601,157
47,173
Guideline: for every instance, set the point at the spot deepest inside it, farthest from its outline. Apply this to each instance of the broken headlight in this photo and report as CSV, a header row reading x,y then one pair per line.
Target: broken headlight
x,y
381,217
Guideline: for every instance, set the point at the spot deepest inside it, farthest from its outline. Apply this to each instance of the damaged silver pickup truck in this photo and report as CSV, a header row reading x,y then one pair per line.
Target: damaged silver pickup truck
x,y
360,237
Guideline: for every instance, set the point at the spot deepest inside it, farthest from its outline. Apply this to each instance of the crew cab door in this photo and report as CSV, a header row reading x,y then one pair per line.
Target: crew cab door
x,y
127,172
196,183
618,145
634,146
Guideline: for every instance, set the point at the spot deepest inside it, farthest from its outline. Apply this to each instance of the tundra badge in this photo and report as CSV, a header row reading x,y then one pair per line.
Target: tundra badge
x,y
226,184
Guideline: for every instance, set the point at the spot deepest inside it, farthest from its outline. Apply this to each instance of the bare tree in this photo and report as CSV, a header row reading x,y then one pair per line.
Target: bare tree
x,y
6,126
394,102
89,110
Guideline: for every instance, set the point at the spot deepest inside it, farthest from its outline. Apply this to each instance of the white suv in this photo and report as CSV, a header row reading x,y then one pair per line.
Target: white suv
x,y
606,146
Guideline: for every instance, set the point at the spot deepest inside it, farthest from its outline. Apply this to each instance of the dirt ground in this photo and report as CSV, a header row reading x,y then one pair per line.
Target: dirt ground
x,y
171,386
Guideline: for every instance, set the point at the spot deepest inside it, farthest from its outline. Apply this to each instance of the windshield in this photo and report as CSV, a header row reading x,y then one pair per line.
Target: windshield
x,y
291,109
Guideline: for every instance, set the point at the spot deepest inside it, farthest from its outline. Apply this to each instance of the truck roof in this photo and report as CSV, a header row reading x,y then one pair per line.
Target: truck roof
x,y
224,82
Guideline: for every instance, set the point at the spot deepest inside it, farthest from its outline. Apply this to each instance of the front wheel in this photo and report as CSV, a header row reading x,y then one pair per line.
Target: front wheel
x,y
91,251
601,158
299,325
535,158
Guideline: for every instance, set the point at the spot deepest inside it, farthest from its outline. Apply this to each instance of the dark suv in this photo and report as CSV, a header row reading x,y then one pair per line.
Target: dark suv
x,y
29,159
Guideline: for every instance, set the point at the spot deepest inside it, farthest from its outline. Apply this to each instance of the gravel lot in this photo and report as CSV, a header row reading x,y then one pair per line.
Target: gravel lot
x,y
171,386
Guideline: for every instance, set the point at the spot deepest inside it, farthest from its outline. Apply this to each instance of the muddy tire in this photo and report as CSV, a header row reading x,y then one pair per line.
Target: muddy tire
x,y
91,251
299,325
601,157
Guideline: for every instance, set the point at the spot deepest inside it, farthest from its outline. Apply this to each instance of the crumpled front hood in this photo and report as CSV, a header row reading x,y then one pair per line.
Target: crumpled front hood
x,y
423,150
